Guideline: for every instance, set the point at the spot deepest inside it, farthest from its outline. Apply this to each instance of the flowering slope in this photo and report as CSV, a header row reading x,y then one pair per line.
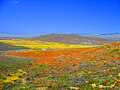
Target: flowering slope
x,y
37,44
84,69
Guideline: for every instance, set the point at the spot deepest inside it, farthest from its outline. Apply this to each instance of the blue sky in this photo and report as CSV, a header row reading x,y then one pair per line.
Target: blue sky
x,y
59,16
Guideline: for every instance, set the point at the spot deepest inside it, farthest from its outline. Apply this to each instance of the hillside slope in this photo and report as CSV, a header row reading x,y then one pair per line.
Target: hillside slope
x,y
85,69
37,44
73,39
105,52
4,47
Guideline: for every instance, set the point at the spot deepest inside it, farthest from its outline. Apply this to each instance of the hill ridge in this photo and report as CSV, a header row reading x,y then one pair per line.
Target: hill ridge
x,y
73,39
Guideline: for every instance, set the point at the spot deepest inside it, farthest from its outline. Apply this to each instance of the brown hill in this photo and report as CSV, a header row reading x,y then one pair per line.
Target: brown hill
x,y
73,39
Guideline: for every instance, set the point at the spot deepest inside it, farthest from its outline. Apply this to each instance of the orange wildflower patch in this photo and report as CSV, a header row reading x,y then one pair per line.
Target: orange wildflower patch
x,y
55,57
49,56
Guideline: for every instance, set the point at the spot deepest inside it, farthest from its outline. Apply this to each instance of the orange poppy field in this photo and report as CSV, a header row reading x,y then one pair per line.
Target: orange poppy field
x,y
95,68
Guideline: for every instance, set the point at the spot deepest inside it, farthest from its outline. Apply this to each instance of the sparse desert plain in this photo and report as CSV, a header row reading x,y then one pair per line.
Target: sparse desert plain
x,y
38,65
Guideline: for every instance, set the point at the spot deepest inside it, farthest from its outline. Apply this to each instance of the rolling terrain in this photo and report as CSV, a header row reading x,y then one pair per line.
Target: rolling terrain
x,y
66,69
5,47
37,44
73,39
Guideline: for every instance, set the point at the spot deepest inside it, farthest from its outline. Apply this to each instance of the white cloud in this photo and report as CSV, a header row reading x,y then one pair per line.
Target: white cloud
x,y
16,2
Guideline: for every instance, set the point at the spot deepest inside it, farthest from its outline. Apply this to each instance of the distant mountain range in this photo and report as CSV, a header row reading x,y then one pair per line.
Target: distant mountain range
x,y
112,36
69,38
18,35
73,39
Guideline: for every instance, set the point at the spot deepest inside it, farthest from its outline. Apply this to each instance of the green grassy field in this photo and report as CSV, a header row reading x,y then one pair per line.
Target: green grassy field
x,y
11,62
